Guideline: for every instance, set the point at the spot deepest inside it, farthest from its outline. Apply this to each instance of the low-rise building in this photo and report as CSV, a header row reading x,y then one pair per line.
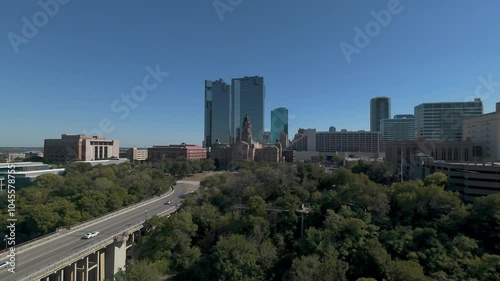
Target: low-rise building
x,y
410,154
333,143
269,153
289,155
116,161
12,157
24,173
471,180
188,151
285,142
79,148
135,154
484,130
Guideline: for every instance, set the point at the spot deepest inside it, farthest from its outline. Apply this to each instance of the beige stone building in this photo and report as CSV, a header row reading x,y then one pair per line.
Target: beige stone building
x,y
484,130
79,147
135,154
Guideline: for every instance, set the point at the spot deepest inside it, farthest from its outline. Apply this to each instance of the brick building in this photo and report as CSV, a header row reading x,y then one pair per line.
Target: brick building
x,y
188,151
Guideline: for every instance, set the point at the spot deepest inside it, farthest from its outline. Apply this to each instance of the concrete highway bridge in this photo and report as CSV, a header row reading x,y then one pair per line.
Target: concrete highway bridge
x,y
65,256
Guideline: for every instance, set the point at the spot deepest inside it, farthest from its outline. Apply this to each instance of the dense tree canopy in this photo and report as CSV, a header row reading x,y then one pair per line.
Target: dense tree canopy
x,y
86,192
246,226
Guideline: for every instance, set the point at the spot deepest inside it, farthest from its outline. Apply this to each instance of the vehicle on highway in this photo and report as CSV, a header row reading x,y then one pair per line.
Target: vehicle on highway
x,y
168,202
91,234
3,264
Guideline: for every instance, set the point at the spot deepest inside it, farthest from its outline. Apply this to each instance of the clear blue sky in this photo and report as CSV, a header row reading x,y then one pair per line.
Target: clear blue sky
x,y
65,78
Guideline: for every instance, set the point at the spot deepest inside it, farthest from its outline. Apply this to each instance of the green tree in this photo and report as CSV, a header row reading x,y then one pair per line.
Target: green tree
x,y
405,270
208,165
235,258
140,271
170,239
49,181
438,178
312,267
43,220
484,221
257,206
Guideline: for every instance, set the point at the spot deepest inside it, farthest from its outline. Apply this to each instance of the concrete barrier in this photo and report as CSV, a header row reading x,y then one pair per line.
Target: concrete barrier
x,y
61,231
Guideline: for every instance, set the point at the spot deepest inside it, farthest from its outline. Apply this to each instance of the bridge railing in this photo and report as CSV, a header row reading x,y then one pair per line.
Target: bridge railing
x,y
41,272
69,258
55,234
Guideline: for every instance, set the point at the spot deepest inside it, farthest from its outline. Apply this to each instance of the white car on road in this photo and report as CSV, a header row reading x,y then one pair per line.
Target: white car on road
x,y
91,234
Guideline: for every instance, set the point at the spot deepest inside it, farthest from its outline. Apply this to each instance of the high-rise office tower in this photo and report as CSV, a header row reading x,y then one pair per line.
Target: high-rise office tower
x,y
247,96
279,123
444,120
402,127
217,112
380,108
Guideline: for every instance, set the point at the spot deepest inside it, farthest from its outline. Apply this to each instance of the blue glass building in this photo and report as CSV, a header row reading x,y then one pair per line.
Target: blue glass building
x,y
217,112
279,123
247,96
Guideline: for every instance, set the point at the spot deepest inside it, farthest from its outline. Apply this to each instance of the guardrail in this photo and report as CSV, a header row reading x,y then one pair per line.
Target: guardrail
x,y
60,264
53,235
70,258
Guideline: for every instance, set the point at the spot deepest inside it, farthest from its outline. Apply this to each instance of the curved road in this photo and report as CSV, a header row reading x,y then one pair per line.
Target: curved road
x,y
42,255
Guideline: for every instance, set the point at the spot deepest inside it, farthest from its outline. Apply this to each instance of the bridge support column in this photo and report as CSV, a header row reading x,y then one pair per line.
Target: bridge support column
x,y
60,275
74,272
102,258
86,269
68,273
116,255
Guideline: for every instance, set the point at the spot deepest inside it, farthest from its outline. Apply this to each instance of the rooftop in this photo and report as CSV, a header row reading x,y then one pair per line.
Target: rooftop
x,y
474,164
21,164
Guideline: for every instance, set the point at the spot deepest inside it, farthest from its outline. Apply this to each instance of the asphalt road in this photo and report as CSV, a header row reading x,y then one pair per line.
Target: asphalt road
x,y
50,252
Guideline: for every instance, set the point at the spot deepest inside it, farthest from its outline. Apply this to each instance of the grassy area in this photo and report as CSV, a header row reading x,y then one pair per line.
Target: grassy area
x,y
198,177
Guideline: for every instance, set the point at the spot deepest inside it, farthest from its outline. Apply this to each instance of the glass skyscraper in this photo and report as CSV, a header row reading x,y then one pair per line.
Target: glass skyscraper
x,y
380,108
279,123
217,112
247,96
443,120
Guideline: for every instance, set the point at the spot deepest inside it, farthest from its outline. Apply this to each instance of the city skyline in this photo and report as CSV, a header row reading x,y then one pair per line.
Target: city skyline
x,y
76,80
